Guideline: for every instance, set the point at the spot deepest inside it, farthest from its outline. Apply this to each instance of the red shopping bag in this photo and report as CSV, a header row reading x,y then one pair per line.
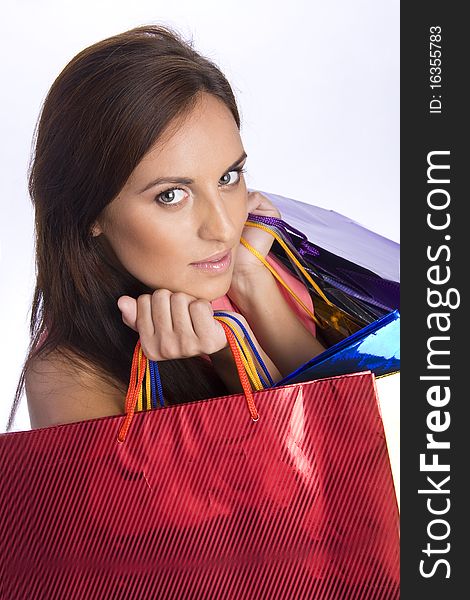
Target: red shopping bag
x,y
201,501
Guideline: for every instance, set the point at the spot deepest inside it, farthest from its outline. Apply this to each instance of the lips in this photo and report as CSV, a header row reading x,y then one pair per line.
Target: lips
x,y
215,267
213,258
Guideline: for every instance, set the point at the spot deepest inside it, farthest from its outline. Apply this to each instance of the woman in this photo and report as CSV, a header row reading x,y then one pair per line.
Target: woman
x,y
138,188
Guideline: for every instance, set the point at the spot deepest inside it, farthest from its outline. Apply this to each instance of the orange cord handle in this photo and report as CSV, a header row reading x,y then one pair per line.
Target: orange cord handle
x,y
241,371
133,390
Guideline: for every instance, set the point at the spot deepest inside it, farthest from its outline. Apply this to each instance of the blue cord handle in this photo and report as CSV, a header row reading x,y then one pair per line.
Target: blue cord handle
x,y
221,313
155,380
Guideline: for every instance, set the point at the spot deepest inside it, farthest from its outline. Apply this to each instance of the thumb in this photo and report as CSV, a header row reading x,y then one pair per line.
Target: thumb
x,y
128,308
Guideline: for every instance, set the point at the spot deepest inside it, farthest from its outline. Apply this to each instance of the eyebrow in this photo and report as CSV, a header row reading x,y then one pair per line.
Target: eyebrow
x,y
186,180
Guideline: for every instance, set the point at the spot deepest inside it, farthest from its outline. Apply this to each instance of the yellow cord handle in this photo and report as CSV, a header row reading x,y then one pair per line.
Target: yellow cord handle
x,y
248,362
147,385
333,318
289,253
139,398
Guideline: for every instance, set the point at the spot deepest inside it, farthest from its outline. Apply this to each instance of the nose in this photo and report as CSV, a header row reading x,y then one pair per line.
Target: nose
x,y
215,220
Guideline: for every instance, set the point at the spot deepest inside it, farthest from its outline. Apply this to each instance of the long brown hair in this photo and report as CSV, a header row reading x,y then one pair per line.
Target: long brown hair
x,y
103,113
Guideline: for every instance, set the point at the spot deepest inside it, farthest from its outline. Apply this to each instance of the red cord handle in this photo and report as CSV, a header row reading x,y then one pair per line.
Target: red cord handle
x,y
133,390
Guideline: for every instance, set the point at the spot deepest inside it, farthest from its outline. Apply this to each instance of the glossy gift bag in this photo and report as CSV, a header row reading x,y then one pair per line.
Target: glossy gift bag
x,y
202,501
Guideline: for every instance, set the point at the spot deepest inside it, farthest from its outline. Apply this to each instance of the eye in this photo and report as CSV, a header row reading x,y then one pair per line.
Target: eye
x,y
168,196
238,171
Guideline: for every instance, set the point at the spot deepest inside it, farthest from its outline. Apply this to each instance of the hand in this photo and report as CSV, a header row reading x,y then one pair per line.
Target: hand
x,y
246,262
174,325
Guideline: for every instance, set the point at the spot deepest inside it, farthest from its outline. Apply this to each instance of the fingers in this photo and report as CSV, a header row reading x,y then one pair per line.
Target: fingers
x,y
260,204
210,332
173,325
128,308
161,311
179,306
144,319
185,342
254,201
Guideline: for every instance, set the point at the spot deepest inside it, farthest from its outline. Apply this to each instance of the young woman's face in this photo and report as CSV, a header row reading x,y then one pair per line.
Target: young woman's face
x,y
157,231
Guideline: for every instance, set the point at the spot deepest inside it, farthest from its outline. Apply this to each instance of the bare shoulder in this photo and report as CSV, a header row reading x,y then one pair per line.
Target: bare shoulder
x,y
58,392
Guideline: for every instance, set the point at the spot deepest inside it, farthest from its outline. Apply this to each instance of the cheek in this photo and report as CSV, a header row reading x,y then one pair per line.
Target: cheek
x,y
151,253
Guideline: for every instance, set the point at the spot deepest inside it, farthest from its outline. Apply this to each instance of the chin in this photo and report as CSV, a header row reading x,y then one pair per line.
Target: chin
x,y
215,291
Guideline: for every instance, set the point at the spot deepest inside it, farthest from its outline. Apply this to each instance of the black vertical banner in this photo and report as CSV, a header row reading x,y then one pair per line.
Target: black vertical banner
x,y
435,371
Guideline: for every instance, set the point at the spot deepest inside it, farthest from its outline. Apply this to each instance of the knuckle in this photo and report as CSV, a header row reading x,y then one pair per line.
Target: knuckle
x,y
190,350
179,297
168,350
201,305
143,299
212,346
161,293
185,346
149,352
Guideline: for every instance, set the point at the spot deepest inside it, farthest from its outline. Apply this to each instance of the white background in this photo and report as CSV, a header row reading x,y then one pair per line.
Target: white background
x,y
318,90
